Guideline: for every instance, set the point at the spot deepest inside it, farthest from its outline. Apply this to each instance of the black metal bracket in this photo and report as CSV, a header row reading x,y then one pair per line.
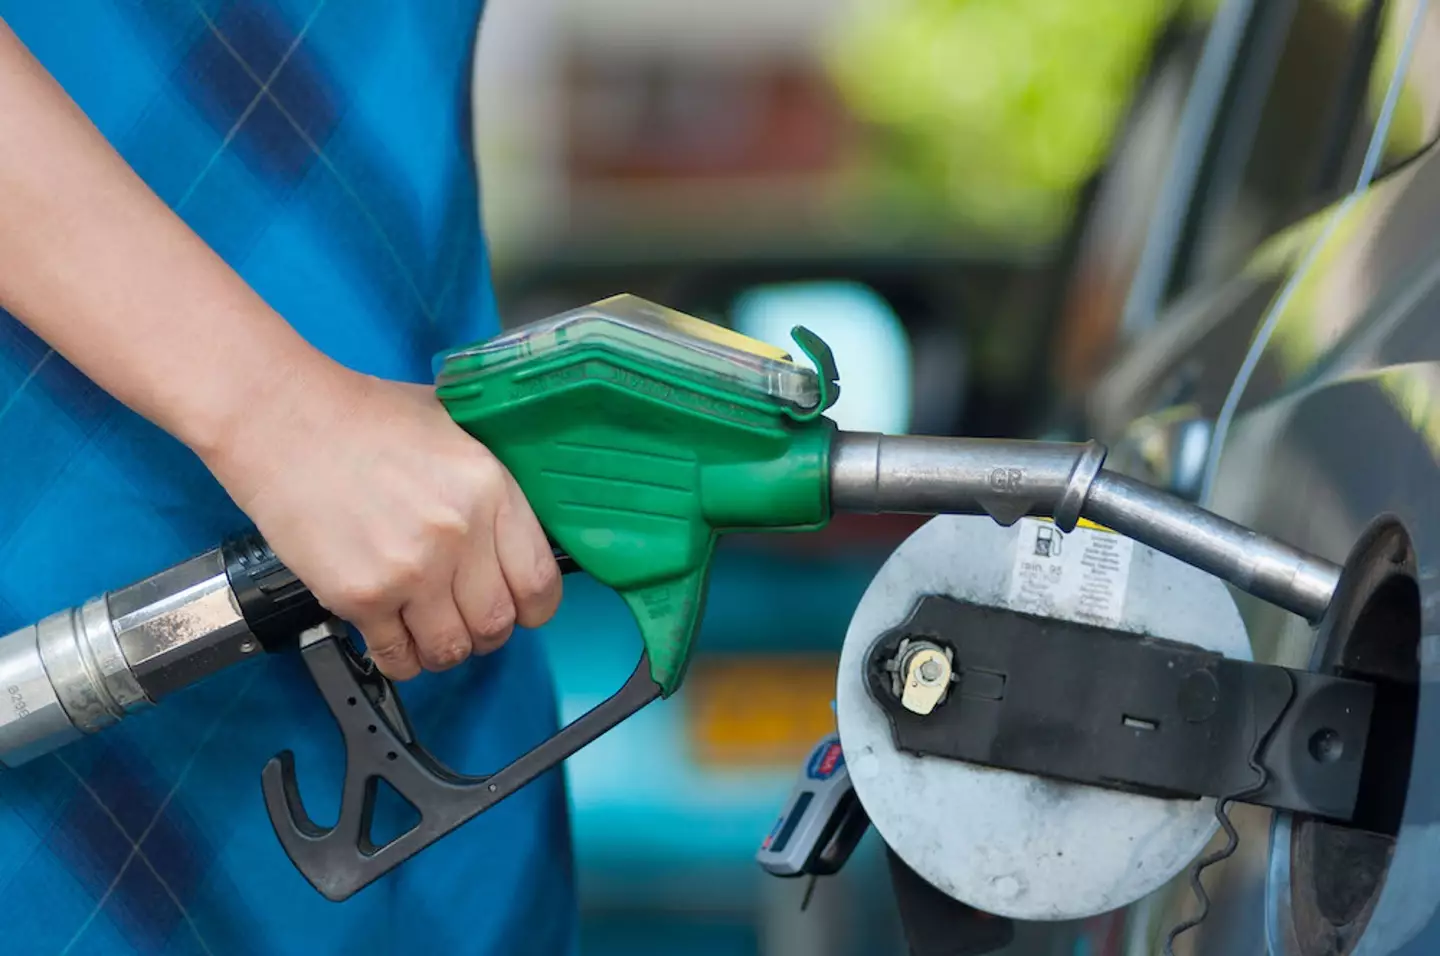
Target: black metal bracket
x,y
1122,711
379,745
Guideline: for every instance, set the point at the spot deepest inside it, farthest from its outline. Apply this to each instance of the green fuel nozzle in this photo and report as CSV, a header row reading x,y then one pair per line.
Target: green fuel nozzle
x,y
639,435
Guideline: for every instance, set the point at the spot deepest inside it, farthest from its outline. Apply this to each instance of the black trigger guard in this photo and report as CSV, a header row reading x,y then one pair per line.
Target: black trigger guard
x,y
341,860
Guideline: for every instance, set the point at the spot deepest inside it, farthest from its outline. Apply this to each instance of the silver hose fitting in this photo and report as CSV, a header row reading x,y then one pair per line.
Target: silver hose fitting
x,y
1008,480
1071,506
32,720
83,669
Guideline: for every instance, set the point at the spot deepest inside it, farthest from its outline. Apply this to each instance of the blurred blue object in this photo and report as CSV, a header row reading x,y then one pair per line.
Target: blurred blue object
x,y
868,339
661,935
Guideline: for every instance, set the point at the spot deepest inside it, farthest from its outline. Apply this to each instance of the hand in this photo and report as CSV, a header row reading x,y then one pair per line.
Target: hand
x,y
396,519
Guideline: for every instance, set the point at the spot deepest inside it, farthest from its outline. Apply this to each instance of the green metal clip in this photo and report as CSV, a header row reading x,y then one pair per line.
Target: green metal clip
x,y
819,353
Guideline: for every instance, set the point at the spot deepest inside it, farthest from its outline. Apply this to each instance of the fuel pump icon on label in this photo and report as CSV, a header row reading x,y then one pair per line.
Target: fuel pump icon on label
x,y
1049,542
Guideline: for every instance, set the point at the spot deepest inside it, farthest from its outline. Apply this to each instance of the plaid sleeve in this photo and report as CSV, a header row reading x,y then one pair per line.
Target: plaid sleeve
x,y
322,148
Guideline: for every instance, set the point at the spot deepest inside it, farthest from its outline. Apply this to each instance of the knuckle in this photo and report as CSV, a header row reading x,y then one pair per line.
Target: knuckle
x,y
405,567
545,579
447,522
537,597
500,619
394,659
359,597
488,645
486,475
495,624
390,653
446,651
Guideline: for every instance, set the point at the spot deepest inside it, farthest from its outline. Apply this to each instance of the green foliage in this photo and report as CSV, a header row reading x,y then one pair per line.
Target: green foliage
x,y
993,112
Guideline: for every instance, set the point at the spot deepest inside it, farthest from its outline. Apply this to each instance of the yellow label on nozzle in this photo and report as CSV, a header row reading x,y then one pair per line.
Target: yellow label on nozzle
x,y
708,331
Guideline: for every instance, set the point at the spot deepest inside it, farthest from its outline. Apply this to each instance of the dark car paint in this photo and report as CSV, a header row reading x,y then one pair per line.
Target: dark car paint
x,y
1340,425
1375,258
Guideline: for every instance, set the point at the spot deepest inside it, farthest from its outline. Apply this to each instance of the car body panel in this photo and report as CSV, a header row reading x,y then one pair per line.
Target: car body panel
x,y
1339,425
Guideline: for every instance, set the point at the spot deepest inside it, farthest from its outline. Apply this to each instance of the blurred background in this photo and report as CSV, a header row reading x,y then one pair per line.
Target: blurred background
x,y
956,195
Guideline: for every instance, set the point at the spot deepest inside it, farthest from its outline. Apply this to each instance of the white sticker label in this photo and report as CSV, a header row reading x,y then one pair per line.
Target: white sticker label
x,y
1080,576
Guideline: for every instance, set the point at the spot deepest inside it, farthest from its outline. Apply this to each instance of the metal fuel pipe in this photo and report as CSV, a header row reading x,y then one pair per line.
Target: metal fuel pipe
x,y
1010,479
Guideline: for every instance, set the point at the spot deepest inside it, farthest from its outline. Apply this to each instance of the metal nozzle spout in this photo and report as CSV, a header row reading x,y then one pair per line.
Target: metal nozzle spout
x,y
1008,480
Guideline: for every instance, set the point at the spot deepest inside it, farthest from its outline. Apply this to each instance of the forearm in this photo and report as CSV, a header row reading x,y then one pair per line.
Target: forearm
x,y
101,269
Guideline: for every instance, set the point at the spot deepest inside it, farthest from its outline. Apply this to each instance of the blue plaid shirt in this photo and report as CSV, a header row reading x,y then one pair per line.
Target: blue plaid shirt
x,y
322,148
